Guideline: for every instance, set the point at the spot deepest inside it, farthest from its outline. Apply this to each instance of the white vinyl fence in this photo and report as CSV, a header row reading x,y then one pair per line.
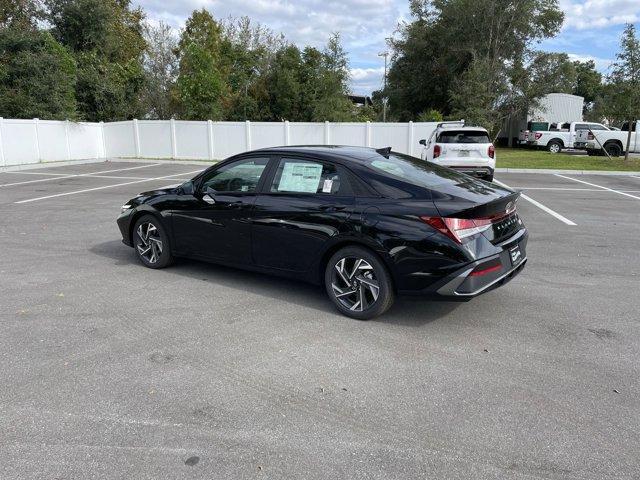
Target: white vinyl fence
x,y
25,142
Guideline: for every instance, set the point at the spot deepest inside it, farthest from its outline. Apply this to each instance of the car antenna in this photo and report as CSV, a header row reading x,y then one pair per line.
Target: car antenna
x,y
385,152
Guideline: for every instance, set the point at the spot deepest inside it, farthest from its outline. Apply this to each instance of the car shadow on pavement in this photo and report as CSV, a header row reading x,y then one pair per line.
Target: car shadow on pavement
x,y
411,311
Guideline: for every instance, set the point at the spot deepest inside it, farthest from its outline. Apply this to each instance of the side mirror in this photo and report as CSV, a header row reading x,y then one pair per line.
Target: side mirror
x,y
187,188
423,142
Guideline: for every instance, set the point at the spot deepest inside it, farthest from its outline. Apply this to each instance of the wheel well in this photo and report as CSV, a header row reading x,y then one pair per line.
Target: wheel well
x,y
349,243
616,142
556,140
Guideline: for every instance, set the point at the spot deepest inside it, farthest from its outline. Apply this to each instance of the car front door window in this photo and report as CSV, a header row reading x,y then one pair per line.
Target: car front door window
x,y
238,177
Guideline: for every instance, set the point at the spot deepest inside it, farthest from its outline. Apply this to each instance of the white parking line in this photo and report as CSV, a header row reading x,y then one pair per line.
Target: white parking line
x,y
558,189
101,188
541,206
598,186
74,175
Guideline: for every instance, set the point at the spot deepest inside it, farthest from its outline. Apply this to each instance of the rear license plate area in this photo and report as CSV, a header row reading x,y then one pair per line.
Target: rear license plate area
x,y
515,254
463,153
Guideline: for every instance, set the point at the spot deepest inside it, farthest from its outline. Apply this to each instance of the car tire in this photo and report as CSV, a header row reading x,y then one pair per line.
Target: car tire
x,y
613,149
489,177
359,271
554,146
151,242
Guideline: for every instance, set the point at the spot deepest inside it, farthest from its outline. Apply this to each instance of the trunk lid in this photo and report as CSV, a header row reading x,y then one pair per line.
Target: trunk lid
x,y
469,198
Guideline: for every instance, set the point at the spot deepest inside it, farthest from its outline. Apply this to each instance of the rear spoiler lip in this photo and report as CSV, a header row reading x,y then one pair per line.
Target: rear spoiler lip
x,y
483,210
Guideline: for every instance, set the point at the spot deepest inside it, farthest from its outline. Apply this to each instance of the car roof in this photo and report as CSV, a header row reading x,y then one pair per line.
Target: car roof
x,y
329,152
465,129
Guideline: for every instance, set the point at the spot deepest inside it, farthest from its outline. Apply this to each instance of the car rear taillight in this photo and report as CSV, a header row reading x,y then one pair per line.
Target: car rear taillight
x,y
458,229
492,151
538,136
436,151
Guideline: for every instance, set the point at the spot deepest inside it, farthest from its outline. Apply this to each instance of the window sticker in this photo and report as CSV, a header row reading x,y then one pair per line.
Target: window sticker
x,y
300,177
327,186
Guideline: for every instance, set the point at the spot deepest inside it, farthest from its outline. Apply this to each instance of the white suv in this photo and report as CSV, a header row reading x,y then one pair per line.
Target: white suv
x,y
468,149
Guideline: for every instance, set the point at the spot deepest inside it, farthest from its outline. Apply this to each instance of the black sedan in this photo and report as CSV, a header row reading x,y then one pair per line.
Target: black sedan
x,y
368,224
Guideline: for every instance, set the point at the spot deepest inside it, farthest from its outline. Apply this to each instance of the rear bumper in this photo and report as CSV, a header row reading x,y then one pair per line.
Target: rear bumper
x,y
464,284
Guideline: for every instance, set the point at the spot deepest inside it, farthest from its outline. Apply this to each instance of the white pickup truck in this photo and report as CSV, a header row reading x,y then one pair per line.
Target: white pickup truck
x,y
613,141
565,137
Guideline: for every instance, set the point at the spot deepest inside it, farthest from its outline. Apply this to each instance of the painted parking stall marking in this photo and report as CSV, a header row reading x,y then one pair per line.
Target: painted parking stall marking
x,y
75,175
619,192
75,192
542,207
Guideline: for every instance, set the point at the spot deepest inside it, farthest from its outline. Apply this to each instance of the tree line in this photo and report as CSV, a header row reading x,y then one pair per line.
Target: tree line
x,y
101,60
476,59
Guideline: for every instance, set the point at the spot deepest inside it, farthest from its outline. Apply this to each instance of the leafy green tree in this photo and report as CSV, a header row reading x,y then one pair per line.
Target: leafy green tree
x,y
201,89
160,70
588,81
248,49
431,115
451,42
284,84
106,38
23,14
624,100
37,76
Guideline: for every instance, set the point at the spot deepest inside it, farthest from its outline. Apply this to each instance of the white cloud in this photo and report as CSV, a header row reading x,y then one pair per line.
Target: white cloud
x,y
602,64
594,14
366,80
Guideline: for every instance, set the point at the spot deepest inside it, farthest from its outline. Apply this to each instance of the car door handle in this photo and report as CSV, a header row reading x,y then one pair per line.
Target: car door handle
x,y
238,204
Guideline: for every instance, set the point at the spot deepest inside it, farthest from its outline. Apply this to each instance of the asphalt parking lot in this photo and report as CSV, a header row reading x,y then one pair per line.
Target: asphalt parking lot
x,y
112,370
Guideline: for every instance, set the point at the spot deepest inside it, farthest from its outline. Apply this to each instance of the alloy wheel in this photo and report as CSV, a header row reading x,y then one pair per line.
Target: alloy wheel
x,y
150,242
354,283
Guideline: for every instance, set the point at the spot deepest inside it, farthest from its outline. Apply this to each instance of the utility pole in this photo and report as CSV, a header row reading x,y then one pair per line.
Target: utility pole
x,y
384,54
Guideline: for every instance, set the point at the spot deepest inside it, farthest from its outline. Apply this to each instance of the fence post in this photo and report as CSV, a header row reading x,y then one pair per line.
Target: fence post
x,y
36,122
210,139
367,134
327,137
2,159
287,133
136,137
104,143
410,139
66,136
247,132
174,147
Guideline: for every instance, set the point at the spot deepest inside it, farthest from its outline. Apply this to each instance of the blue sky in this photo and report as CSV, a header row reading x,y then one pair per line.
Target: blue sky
x,y
591,30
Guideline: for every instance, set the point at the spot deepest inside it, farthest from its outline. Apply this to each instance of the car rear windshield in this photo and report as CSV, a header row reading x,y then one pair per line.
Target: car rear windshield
x,y
464,136
415,171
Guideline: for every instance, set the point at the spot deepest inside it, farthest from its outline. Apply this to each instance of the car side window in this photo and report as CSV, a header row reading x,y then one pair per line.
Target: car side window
x,y
581,126
240,176
596,126
295,175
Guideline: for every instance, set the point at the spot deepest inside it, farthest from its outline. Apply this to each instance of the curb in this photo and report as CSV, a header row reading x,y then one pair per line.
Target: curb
x,y
567,172
64,163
